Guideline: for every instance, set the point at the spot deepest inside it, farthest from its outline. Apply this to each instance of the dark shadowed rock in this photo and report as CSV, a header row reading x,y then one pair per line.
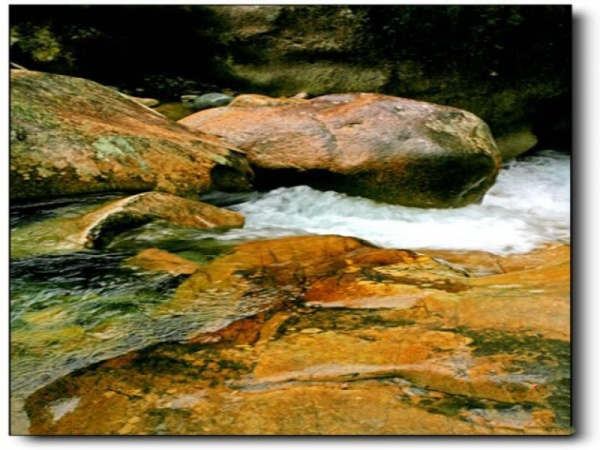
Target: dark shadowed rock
x,y
470,57
486,59
73,136
211,100
385,148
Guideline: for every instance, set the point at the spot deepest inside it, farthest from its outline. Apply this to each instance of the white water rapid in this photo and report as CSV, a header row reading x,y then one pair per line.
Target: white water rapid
x,y
528,206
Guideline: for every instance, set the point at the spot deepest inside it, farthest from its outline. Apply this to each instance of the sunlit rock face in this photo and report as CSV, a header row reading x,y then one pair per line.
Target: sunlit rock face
x,y
73,136
389,149
417,345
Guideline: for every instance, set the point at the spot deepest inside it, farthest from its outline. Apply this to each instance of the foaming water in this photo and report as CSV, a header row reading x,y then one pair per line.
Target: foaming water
x,y
528,206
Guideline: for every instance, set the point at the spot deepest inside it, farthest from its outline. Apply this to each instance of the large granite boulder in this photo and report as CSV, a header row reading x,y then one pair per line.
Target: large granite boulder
x,y
73,136
482,63
385,148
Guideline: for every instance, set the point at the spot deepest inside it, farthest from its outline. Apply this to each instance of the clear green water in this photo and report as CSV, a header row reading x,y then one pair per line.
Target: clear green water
x,y
71,309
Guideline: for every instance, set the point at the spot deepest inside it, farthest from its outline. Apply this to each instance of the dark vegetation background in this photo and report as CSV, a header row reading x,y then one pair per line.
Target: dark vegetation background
x,y
511,65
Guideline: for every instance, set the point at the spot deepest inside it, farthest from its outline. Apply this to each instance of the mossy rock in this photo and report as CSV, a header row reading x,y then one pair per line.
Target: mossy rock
x,y
74,136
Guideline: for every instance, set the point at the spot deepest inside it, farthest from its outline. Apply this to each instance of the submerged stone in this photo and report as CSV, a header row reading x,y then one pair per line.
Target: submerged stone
x,y
99,227
156,260
175,110
211,100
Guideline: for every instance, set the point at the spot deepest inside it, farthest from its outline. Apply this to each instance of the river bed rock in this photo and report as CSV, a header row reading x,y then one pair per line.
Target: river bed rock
x,y
100,226
73,136
174,110
157,260
479,263
385,148
97,228
254,100
262,274
449,363
211,100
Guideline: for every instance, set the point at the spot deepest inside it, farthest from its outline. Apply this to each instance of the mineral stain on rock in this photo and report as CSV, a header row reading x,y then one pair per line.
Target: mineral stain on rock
x,y
296,368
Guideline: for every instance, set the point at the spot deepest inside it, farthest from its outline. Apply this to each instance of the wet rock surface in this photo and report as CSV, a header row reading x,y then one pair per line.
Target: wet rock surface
x,y
156,260
480,263
73,136
97,228
385,148
174,110
446,353
103,224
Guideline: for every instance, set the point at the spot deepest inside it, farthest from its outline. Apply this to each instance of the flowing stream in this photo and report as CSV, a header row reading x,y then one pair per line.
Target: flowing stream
x,y
72,309
528,206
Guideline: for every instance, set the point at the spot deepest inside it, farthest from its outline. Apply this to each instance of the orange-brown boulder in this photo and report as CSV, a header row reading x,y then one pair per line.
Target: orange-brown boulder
x,y
385,148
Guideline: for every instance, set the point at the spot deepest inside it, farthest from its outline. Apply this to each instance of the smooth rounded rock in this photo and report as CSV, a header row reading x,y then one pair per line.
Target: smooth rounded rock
x,y
389,149
211,100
